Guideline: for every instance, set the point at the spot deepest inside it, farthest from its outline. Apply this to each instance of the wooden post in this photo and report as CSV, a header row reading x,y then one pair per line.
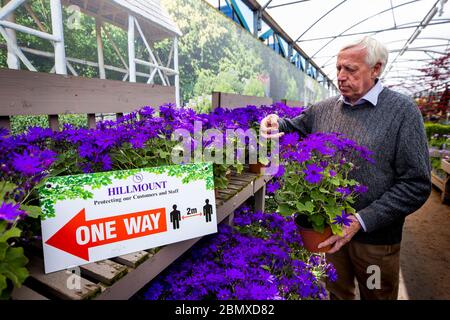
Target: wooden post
x,y
91,120
229,220
53,122
260,199
4,122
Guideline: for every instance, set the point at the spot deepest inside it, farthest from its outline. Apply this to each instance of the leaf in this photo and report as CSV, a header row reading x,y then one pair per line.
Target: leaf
x,y
13,266
265,267
285,210
349,209
11,233
336,229
317,220
318,196
301,207
3,247
335,181
6,186
3,284
32,211
309,206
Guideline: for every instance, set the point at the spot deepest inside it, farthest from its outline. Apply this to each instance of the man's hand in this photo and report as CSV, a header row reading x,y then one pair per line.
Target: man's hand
x,y
269,127
339,241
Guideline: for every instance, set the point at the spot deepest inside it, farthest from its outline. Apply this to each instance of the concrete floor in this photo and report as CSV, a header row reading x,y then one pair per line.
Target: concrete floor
x,y
425,252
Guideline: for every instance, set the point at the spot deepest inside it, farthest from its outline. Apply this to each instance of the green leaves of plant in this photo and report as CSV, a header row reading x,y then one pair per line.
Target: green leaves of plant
x,y
285,210
308,206
6,187
12,267
12,260
32,211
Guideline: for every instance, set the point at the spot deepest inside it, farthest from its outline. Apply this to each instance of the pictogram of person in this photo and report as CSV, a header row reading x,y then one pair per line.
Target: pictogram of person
x,y
207,210
175,217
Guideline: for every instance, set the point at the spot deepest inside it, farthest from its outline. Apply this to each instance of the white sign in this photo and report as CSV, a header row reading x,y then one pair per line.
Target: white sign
x,y
93,217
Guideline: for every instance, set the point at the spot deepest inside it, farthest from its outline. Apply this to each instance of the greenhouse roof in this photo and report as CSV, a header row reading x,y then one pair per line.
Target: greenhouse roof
x,y
416,32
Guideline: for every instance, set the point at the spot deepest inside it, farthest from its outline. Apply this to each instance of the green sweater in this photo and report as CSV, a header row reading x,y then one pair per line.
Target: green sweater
x,y
399,182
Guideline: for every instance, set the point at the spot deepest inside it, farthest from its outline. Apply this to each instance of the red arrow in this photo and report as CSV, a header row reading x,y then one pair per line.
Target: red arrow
x,y
78,235
192,215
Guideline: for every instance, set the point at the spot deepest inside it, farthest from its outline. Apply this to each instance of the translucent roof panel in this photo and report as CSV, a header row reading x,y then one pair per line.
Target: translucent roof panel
x,y
321,28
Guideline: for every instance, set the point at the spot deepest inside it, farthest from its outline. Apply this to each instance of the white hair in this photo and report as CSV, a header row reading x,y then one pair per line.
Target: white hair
x,y
376,51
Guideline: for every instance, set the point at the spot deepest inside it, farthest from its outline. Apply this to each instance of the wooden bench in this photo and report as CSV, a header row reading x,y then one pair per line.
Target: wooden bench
x,y
25,93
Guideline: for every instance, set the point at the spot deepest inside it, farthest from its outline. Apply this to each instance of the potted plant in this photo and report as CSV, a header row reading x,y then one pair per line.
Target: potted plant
x,y
315,188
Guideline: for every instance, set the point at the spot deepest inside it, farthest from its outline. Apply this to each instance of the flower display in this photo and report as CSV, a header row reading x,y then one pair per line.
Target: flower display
x,y
260,258
315,182
144,138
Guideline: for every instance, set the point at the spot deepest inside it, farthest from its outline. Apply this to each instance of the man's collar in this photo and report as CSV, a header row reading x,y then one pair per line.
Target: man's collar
x,y
371,96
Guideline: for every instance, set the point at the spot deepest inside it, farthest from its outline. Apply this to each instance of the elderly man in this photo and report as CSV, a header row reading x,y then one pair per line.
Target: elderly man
x,y
399,182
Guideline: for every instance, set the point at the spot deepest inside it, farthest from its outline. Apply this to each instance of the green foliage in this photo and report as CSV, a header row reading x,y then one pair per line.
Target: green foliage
x,y
254,87
436,129
292,91
320,202
228,82
20,124
201,103
12,260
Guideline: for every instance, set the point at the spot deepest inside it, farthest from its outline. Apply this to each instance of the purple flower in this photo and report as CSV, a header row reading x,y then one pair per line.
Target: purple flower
x,y
345,191
272,187
33,161
27,164
313,173
331,272
280,172
10,212
343,219
290,139
360,189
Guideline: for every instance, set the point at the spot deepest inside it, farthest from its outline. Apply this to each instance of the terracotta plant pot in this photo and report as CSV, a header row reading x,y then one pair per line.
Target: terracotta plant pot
x,y
257,168
311,238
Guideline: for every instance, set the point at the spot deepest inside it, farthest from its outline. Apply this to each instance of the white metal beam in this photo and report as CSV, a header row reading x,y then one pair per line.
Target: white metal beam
x,y
177,75
58,32
16,50
131,50
71,68
10,7
28,30
12,59
101,59
81,61
156,66
149,51
115,47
